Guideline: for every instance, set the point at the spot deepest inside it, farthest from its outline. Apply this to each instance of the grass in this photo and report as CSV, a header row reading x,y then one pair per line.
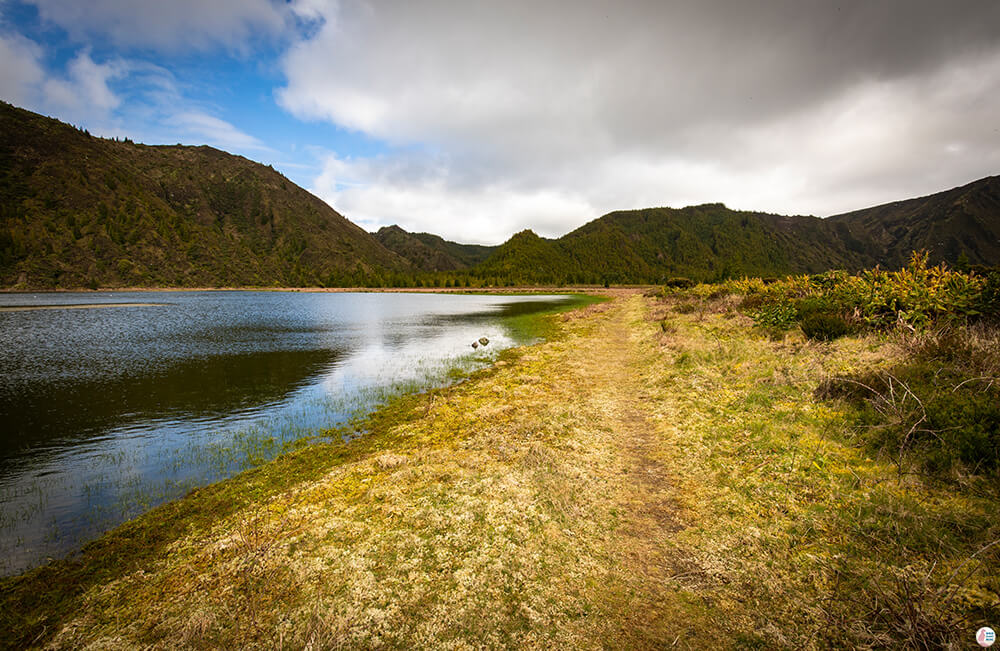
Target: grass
x,y
646,477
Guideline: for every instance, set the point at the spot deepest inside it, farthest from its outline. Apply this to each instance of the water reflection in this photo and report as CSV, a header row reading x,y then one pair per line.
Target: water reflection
x,y
106,413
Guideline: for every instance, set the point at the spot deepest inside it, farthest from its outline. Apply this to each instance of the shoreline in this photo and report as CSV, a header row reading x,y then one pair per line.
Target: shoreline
x,y
147,534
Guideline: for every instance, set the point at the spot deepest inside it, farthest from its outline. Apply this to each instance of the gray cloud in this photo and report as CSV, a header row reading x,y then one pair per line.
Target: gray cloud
x,y
800,106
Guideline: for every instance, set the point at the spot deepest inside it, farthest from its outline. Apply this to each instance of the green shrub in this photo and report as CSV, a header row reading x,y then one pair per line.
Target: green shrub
x,y
680,283
915,298
810,305
989,299
824,326
753,302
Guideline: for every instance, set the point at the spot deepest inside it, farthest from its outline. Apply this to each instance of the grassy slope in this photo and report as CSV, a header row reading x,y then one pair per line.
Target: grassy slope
x,y
624,484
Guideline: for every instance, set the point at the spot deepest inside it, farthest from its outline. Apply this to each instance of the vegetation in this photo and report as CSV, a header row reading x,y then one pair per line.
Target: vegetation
x,y
656,467
428,252
916,297
79,211
712,242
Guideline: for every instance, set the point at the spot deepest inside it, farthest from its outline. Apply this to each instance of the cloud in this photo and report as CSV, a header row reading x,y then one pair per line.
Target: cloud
x,y
196,126
20,69
420,197
516,113
116,97
84,91
174,26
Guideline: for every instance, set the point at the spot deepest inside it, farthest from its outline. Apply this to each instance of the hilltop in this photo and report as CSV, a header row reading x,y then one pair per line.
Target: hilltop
x,y
957,225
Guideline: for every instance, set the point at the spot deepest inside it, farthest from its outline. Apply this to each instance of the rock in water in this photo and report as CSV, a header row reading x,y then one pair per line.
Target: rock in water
x,y
484,340
475,344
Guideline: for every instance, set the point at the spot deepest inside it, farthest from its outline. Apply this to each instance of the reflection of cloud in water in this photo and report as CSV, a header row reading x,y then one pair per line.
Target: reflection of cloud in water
x,y
384,359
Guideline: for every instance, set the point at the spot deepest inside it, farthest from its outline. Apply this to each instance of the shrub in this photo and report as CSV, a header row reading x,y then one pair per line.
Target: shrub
x,y
824,326
754,302
680,283
916,297
989,299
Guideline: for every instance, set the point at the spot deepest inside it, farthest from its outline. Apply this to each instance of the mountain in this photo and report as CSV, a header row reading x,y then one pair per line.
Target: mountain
x,y
76,210
428,252
711,241
963,222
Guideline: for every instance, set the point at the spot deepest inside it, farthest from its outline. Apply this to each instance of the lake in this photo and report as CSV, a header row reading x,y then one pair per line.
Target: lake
x,y
112,403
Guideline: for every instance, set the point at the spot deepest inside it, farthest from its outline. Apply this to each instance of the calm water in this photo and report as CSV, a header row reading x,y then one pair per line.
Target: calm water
x,y
106,412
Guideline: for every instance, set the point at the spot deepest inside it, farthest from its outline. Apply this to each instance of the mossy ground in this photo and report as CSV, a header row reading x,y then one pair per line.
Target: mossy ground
x,y
647,477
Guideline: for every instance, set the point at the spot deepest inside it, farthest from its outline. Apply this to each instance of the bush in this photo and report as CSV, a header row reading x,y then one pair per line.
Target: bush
x,y
824,326
680,283
754,302
989,299
916,298
940,408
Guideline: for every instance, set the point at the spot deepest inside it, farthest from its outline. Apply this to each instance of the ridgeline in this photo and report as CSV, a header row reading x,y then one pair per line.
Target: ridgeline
x,y
80,211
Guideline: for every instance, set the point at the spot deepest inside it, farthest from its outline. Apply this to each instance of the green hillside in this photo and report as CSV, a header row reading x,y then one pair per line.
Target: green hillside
x,y
713,242
76,210
80,211
648,246
428,252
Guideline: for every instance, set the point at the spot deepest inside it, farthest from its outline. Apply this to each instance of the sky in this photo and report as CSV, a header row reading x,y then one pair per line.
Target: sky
x,y
475,120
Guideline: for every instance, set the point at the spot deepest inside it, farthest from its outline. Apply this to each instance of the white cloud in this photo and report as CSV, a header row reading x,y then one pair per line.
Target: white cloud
x,y
380,191
84,91
548,114
195,126
20,69
117,97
